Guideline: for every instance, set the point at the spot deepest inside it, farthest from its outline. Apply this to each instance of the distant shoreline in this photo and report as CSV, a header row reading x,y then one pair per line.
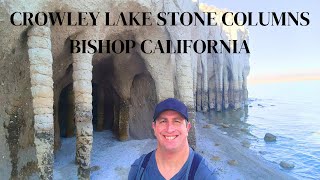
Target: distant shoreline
x,y
283,78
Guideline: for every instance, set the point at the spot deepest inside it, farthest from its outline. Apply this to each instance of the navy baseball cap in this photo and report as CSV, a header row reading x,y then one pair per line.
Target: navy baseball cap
x,y
171,104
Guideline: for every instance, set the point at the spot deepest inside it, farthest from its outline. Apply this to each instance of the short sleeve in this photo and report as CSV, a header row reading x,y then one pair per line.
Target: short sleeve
x,y
205,171
135,168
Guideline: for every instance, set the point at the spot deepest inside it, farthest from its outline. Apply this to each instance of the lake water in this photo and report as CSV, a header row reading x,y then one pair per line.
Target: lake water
x,y
289,110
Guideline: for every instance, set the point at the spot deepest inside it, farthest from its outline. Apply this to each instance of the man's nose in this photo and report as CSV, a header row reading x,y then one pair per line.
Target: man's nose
x,y
170,127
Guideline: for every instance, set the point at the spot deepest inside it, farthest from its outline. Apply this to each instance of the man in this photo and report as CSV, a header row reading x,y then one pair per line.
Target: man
x,y
173,159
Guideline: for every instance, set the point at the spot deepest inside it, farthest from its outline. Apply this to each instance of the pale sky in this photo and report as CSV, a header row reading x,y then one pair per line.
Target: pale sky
x,y
280,50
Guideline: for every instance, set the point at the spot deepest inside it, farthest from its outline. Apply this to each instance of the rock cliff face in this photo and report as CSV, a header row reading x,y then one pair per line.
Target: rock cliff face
x,y
221,79
46,92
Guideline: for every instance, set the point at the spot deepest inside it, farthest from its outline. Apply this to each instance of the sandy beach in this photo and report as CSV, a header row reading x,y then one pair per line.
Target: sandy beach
x,y
111,159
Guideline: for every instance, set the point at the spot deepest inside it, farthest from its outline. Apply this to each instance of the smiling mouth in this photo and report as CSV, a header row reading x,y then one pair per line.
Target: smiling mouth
x,y
170,138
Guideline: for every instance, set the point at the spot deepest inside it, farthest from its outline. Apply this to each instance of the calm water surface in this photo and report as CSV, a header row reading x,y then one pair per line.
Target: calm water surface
x,y
288,110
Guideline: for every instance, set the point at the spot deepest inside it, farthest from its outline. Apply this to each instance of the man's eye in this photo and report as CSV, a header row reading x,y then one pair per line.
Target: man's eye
x,y
177,121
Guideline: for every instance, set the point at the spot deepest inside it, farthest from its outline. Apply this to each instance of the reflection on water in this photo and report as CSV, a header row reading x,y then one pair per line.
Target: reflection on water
x,y
287,110
232,122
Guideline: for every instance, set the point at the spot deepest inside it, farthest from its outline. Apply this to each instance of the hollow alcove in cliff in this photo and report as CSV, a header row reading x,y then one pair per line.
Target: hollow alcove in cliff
x,y
103,106
124,96
66,112
104,97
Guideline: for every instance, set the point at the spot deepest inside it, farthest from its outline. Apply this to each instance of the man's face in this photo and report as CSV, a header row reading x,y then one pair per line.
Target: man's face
x,y
171,130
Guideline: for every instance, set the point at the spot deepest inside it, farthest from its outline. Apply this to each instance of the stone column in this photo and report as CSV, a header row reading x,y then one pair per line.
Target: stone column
x,y
237,91
40,58
219,86
199,86
124,120
225,89
211,83
244,90
82,87
115,127
185,86
202,98
205,98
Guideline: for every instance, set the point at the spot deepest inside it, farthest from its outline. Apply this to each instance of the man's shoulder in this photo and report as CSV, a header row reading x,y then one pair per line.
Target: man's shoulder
x,y
136,166
205,170
139,161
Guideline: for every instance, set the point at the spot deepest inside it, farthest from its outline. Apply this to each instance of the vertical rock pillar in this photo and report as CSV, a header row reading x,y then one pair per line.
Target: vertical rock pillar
x,y
82,87
40,58
185,86
225,92
199,86
124,120
219,86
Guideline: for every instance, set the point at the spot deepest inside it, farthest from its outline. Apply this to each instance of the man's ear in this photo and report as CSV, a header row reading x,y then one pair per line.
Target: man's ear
x,y
188,126
154,128
153,125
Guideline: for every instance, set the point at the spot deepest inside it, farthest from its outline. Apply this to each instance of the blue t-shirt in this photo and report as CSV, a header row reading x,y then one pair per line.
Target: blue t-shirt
x,y
152,172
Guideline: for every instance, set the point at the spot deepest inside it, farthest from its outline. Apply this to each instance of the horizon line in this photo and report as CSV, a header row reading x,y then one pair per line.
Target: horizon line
x,y
262,79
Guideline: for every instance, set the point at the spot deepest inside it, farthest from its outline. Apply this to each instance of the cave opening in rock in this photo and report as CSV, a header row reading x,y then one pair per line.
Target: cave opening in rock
x,y
124,94
123,98
66,112
105,99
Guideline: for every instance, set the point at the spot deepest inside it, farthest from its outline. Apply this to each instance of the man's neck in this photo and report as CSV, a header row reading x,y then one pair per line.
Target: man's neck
x,y
168,156
170,163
